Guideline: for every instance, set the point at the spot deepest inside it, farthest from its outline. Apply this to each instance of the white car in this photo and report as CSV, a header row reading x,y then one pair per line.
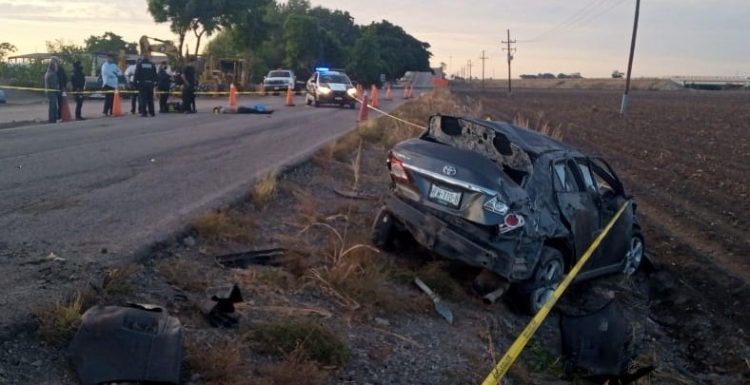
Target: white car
x,y
280,80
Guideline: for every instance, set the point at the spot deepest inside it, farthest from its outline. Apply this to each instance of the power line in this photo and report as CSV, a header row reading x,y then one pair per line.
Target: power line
x,y
510,58
582,17
483,58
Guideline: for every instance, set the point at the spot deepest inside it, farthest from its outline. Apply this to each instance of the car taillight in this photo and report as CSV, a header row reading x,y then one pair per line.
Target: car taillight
x,y
513,220
510,222
397,169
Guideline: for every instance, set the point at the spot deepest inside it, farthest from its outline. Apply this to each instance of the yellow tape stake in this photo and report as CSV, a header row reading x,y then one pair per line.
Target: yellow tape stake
x,y
392,116
499,371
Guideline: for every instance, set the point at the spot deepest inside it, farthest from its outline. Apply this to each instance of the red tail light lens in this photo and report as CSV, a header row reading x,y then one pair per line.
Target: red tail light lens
x,y
513,220
397,169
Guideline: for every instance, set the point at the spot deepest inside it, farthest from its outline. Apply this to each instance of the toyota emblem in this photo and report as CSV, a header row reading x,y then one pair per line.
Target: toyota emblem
x,y
449,170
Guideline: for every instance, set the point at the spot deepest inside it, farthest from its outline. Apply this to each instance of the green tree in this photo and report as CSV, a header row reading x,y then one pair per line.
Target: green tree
x,y
400,52
365,65
6,49
109,42
174,12
303,42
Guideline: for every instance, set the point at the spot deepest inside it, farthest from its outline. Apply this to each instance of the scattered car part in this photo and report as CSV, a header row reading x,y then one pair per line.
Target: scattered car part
x,y
440,306
596,343
495,196
354,195
219,307
133,343
266,257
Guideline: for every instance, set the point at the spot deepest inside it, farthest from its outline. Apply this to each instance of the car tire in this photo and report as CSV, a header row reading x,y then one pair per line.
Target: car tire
x,y
308,101
635,254
549,272
316,102
384,231
353,105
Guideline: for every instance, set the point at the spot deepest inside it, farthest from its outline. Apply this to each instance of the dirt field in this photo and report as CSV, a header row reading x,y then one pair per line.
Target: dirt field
x,y
686,158
338,312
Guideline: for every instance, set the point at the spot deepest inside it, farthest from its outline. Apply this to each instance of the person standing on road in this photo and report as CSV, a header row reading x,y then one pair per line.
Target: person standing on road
x,y
110,74
135,93
78,82
62,80
163,84
188,89
52,87
145,79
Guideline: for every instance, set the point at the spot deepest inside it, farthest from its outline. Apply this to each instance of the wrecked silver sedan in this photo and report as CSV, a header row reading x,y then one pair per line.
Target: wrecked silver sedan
x,y
509,200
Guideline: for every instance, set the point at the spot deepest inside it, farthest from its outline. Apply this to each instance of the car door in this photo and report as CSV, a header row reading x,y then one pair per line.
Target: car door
x,y
612,196
577,206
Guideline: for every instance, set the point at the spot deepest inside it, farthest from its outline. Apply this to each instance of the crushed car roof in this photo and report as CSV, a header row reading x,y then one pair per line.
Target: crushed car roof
x,y
530,141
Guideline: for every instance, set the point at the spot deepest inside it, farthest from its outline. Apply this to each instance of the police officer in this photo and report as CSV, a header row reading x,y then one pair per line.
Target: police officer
x,y
145,80
134,97
163,85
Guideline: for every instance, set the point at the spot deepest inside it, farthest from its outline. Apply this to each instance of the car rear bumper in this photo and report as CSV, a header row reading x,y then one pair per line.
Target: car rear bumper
x,y
438,236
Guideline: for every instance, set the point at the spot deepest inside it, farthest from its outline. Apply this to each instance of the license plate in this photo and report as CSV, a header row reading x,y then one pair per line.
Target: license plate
x,y
445,196
339,98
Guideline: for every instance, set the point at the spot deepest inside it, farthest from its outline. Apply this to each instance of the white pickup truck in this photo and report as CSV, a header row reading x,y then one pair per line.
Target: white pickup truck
x,y
280,80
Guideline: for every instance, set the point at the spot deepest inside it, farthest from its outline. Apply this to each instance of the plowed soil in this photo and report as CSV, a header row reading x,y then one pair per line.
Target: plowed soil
x,y
685,156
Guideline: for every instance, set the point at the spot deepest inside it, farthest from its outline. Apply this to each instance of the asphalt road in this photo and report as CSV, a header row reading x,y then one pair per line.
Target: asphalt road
x,y
124,183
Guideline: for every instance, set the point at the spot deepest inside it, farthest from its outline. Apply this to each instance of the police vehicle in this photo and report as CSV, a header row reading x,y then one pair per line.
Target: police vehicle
x,y
328,86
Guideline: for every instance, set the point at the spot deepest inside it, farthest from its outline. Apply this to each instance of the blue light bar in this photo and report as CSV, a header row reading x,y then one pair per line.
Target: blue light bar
x,y
322,69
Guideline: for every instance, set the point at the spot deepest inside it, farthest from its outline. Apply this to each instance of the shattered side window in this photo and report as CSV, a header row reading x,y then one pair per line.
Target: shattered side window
x,y
566,181
588,179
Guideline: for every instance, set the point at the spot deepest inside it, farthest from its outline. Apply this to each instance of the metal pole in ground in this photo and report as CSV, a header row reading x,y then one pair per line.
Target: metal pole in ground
x,y
626,96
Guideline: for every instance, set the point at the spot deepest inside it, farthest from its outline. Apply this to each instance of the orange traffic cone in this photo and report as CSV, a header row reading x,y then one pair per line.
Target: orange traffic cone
x,y
289,96
360,91
262,89
232,96
116,106
406,91
374,101
363,109
388,94
65,109
411,91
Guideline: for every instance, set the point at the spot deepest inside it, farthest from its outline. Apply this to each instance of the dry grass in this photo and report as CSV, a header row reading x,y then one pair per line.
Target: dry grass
x,y
58,321
308,340
218,362
541,125
351,272
186,275
264,189
293,369
356,166
225,225
117,281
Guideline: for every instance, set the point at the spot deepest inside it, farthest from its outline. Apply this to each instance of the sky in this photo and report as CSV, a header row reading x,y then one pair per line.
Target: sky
x,y
591,37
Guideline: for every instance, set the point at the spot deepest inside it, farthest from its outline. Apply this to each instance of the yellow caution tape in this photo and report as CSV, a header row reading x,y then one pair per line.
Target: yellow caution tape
x,y
499,371
392,116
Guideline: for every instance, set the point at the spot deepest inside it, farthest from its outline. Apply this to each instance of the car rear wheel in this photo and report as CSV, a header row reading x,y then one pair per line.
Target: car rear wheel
x,y
549,272
634,256
384,230
316,102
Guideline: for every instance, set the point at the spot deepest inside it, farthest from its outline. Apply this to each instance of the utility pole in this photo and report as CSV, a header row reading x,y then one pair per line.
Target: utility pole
x,y
483,58
510,58
450,66
468,65
625,96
